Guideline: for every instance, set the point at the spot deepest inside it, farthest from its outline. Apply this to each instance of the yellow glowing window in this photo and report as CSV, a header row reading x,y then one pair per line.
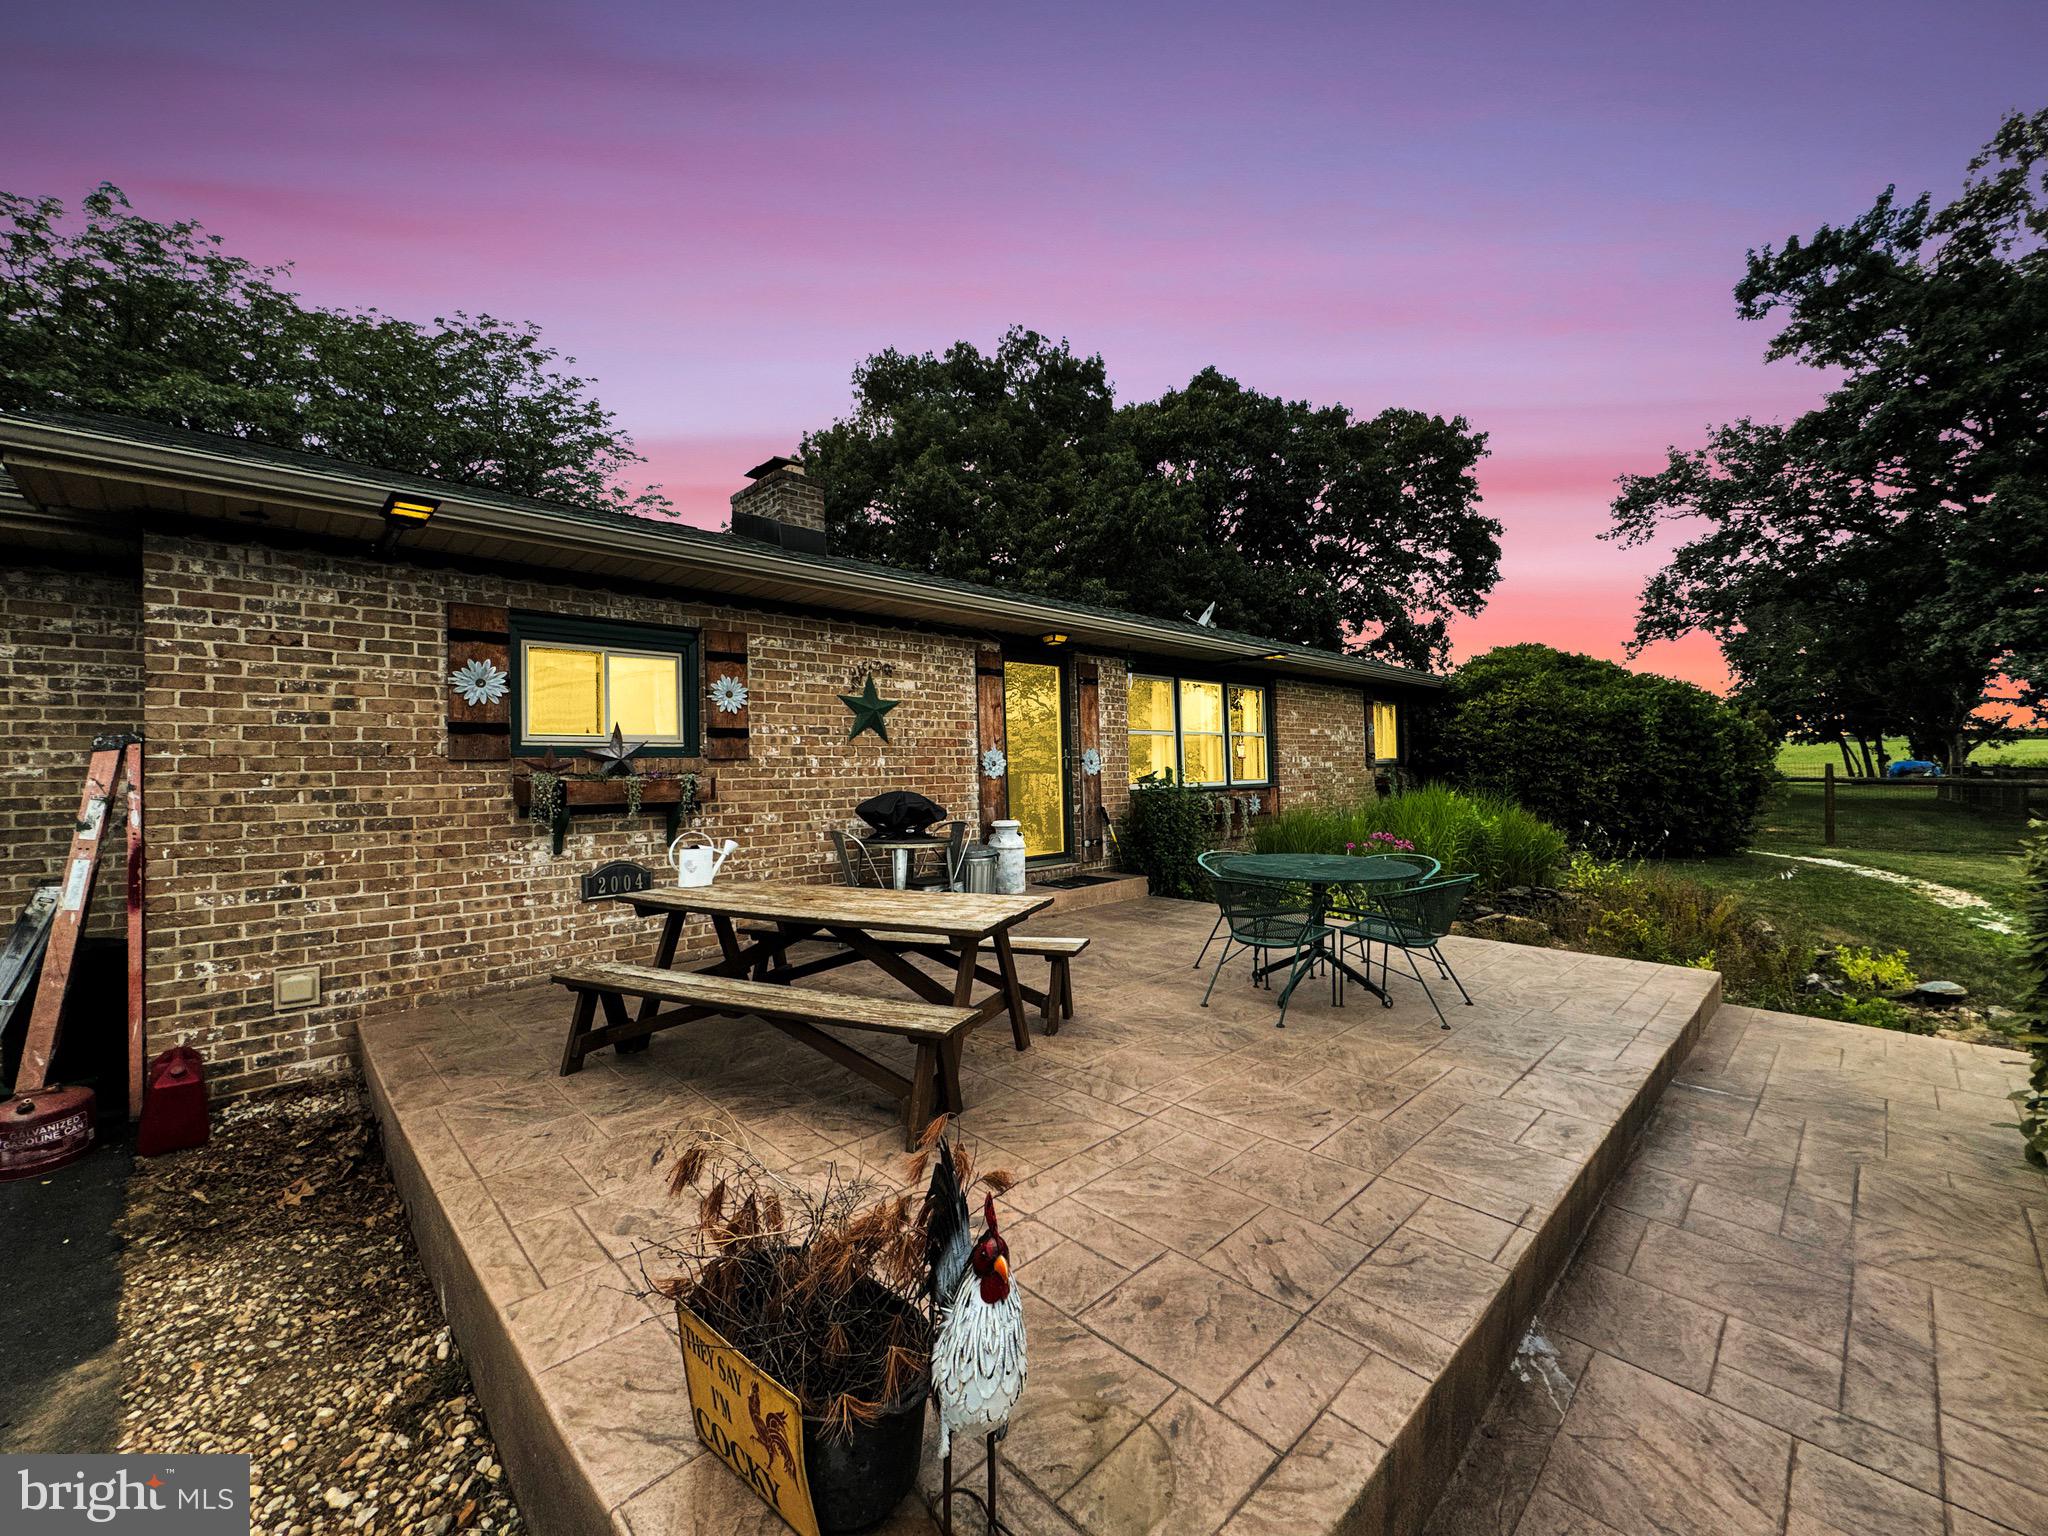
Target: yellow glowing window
x,y
1152,733
1386,731
1247,735
1200,732
646,694
564,691
574,690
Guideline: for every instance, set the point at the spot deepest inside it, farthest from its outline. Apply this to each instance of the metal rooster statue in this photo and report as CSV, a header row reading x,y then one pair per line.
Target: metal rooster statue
x,y
978,1354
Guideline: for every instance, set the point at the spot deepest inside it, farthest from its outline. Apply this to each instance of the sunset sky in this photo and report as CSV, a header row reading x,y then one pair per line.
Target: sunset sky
x,y
1528,214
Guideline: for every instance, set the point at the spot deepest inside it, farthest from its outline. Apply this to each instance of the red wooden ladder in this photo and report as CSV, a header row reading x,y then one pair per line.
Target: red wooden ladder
x,y
114,759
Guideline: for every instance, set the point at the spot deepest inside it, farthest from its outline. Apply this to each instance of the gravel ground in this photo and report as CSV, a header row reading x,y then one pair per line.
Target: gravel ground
x,y
272,1303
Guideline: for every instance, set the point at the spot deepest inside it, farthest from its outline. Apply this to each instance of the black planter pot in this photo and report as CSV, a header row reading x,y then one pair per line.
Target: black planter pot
x,y
858,1480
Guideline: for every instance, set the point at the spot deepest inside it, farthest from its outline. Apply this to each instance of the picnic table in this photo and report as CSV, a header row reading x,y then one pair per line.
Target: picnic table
x,y
1321,873
755,975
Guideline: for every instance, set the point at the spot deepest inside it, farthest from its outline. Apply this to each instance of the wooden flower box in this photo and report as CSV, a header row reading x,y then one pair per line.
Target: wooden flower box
x,y
585,796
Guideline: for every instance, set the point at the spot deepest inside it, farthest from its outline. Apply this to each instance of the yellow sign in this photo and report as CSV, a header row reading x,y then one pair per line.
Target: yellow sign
x,y
749,1419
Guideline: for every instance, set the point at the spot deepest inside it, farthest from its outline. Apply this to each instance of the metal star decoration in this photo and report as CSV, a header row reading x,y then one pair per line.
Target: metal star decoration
x,y
869,708
615,757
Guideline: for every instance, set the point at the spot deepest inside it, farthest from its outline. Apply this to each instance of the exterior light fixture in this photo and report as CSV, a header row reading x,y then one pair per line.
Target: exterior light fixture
x,y
1274,656
1052,639
402,512
409,509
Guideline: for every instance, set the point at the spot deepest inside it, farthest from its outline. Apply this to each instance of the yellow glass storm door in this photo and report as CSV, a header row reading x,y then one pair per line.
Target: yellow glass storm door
x,y
1034,744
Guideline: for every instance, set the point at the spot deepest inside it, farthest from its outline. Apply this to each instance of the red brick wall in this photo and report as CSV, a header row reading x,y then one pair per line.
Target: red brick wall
x,y
1319,741
70,670
304,811
1116,735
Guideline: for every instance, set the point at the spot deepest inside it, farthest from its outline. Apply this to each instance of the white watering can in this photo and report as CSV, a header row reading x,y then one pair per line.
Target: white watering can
x,y
699,863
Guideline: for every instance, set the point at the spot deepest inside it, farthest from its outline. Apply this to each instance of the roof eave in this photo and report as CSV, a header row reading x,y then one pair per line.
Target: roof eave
x,y
663,553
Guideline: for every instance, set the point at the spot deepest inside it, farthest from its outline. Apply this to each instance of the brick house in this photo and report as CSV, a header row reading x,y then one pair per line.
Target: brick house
x,y
321,798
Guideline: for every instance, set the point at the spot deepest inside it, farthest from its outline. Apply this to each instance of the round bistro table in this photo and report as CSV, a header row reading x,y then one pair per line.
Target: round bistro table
x,y
1320,872
900,850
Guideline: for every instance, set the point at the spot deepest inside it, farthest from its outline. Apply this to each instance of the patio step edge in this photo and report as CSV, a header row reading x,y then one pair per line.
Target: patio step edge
x,y
1412,1477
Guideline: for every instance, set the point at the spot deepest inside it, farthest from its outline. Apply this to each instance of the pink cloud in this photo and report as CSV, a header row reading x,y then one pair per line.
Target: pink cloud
x,y
1528,216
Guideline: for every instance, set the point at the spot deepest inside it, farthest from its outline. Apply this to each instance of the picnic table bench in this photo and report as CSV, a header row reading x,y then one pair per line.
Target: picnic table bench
x,y
755,977
1053,1004
938,1032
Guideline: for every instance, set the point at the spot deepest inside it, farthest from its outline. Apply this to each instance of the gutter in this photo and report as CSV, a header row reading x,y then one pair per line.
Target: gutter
x,y
339,492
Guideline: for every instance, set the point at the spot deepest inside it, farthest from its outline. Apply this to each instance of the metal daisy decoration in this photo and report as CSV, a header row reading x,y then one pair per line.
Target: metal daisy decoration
x,y
728,695
1091,762
479,682
615,757
993,763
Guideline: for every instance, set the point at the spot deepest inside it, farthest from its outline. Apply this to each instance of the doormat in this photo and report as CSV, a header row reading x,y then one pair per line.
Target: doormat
x,y
1075,882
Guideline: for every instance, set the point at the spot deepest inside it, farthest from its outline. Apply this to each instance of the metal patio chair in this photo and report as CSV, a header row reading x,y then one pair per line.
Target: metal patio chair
x,y
1210,870
857,864
1260,917
1413,920
952,864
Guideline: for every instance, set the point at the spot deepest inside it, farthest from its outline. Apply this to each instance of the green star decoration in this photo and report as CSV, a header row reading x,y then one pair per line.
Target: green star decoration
x,y
869,708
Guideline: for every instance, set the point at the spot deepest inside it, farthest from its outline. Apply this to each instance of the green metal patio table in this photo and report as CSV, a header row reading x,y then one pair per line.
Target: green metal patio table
x,y
1320,872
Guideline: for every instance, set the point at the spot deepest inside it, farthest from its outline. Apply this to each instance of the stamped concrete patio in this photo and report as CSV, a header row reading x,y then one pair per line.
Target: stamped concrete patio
x,y
1271,1278
1814,1304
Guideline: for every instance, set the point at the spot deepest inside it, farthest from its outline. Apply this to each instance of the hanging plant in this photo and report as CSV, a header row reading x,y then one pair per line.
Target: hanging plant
x,y
546,803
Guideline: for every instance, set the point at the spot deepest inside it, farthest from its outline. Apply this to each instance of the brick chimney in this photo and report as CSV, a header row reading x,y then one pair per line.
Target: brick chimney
x,y
779,506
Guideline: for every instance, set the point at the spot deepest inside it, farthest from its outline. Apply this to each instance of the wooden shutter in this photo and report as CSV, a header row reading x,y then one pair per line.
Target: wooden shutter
x,y
478,733
725,736
1088,737
988,693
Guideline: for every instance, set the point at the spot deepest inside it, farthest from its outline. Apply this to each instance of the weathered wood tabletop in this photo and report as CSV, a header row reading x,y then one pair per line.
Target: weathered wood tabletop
x,y
957,914
861,919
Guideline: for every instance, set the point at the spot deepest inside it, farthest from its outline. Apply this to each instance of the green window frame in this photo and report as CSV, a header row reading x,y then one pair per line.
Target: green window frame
x,y
1218,729
605,639
1153,746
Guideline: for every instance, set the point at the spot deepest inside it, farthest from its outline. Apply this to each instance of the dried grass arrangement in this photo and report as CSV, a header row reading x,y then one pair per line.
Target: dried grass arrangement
x,y
822,1280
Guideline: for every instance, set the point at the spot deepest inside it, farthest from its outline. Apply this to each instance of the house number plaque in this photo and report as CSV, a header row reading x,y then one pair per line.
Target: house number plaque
x,y
620,877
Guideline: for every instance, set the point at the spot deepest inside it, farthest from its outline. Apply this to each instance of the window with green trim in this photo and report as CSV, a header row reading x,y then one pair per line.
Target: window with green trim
x,y
1203,732
575,680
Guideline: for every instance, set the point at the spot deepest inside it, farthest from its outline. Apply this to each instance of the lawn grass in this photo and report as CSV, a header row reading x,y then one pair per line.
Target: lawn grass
x,y
1805,759
1909,832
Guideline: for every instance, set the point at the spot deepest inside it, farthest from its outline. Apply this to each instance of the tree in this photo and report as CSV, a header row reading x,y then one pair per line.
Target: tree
x,y
1623,761
122,314
1018,468
1896,523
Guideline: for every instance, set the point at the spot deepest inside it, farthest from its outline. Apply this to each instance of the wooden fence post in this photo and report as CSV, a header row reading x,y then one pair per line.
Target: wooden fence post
x,y
1827,804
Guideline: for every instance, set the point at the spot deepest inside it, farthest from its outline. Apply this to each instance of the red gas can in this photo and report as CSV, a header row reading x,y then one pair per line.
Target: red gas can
x,y
174,1109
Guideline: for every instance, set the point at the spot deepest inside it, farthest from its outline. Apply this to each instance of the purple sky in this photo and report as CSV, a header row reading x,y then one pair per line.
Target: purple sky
x,y
1530,214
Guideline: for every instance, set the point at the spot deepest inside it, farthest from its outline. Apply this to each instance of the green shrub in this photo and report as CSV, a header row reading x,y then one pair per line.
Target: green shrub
x,y
1872,1012
1168,826
1872,975
1623,761
1484,835
1641,912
